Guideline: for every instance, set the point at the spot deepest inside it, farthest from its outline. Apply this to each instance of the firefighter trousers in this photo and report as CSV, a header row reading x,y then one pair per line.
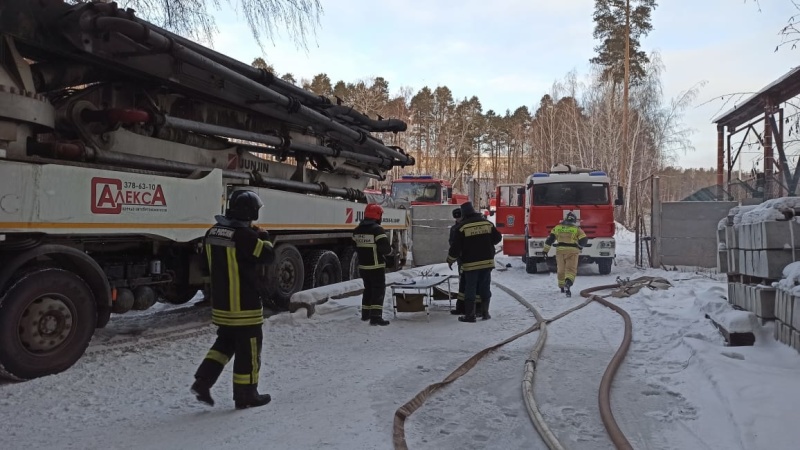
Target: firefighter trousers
x,y
477,282
374,293
567,267
241,343
460,296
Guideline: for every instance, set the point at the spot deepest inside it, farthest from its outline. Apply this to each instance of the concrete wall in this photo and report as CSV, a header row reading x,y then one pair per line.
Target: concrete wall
x,y
430,233
689,232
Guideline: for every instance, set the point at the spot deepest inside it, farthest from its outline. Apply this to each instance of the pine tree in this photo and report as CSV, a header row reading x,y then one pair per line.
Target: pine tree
x,y
609,18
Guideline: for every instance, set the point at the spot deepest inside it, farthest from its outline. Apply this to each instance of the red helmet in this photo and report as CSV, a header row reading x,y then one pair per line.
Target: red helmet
x,y
373,211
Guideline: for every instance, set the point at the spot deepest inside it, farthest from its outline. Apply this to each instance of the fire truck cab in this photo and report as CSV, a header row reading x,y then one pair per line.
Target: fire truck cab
x,y
584,192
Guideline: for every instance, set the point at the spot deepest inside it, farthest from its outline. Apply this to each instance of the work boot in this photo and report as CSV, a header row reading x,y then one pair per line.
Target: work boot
x,y
562,289
378,321
568,284
468,319
459,308
202,391
247,396
485,309
364,315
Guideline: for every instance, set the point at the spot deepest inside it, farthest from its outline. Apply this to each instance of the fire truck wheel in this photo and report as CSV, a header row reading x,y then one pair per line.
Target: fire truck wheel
x,y
47,319
349,263
604,265
322,268
285,275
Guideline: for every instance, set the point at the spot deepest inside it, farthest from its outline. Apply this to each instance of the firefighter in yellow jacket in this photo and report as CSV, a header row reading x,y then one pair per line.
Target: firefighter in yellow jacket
x,y
570,240
235,249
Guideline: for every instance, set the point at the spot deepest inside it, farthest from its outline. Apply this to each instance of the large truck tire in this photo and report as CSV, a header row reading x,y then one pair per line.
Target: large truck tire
x,y
47,318
322,268
285,276
349,263
604,265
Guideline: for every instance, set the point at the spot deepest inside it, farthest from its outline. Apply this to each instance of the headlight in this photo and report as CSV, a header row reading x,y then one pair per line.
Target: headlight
x,y
606,244
537,244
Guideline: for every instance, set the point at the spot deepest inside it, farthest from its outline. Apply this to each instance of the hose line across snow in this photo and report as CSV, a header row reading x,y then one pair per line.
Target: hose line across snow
x,y
604,398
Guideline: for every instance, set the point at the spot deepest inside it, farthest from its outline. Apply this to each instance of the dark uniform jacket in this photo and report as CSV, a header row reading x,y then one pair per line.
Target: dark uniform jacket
x,y
474,243
372,245
234,251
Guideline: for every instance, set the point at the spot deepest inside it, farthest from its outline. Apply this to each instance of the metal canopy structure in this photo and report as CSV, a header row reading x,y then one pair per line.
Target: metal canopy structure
x,y
763,105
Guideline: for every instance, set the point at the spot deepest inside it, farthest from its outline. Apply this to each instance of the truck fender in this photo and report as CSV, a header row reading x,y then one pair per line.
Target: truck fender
x,y
72,259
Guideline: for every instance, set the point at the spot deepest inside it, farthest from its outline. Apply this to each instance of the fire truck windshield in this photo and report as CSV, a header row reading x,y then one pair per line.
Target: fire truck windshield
x,y
573,193
417,192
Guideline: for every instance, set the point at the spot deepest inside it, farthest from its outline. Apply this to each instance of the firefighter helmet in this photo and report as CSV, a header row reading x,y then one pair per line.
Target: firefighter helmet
x,y
373,211
244,205
571,218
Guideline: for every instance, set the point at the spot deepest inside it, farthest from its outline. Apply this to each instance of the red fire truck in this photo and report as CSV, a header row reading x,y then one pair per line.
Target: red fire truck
x,y
566,188
509,215
426,190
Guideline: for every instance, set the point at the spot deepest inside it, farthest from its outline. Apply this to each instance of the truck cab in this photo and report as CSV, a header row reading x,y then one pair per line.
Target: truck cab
x,y
550,196
426,190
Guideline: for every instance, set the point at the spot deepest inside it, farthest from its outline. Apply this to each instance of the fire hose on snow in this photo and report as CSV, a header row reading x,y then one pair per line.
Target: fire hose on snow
x,y
623,288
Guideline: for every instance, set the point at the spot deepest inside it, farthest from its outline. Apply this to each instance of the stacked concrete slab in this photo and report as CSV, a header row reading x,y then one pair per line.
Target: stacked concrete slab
x,y
787,317
755,244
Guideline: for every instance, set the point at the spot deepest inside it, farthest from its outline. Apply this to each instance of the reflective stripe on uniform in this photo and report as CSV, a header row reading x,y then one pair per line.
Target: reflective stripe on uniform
x,y
260,247
216,355
237,318
233,280
477,265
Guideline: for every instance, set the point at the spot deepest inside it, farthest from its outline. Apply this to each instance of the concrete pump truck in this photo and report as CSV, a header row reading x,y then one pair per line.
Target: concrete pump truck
x,y
120,141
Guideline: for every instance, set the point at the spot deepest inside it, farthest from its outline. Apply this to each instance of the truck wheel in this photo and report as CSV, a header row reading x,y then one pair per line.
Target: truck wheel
x,y
349,262
285,276
322,268
47,319
530,265
604,264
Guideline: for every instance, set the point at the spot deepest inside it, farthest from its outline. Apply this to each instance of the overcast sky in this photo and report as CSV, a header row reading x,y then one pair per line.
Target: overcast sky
x,y
509,52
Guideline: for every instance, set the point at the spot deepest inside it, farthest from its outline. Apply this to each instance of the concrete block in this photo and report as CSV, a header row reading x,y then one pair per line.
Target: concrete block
x,y
731,292
770,263
794,313
764,299
776,332
780,305
779,235
796,340
722,261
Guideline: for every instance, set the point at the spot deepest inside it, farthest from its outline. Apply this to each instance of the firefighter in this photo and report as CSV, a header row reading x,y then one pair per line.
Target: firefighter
x,y
570,240
234,249
460,296
473,245
372,247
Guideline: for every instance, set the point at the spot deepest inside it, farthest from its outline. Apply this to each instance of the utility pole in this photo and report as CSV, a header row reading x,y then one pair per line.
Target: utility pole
x,y
625,93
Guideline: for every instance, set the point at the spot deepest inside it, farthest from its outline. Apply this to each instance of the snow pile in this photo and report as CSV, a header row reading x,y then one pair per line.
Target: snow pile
x,y
770,210
622,234
713,304
791,279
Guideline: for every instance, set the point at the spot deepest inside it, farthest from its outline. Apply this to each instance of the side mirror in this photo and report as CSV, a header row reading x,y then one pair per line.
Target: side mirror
x,y
620,197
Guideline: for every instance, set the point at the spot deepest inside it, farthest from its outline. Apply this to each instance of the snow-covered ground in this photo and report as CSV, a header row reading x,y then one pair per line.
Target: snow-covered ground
x,y
336,381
